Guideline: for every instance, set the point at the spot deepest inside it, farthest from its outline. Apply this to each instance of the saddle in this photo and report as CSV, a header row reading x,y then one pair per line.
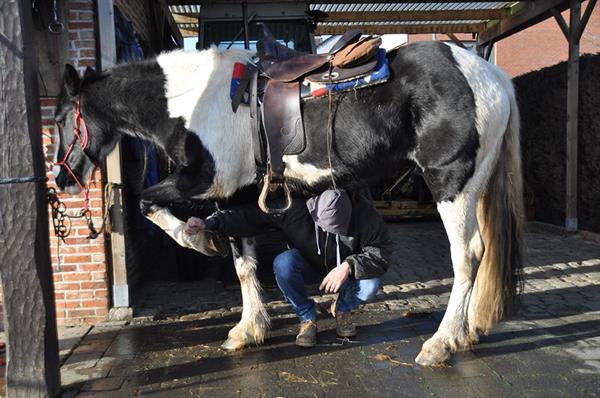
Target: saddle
x,y
276,75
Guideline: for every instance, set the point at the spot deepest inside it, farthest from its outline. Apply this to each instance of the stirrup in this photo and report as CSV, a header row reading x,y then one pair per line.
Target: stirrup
x,y
264,193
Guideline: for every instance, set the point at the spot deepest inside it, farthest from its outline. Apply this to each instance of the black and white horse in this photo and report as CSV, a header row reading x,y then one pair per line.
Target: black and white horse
x,y
444,108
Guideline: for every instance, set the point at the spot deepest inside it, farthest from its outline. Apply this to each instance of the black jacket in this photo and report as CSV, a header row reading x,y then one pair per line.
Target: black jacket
x,y
366,249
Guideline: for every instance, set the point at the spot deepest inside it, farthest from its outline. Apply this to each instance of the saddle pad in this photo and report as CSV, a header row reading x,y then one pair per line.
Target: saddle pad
x,y
380,74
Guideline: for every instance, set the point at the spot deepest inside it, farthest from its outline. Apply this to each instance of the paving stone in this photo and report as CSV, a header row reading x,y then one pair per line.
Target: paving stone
x,y
172,348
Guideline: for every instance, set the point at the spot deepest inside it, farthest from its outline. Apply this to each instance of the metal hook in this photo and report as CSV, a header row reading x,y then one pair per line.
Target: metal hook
x,y
56,27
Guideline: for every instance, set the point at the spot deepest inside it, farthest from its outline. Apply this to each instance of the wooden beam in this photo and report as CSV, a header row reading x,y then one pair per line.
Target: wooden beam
x,y
120,288
524,15
189,32
185,18
561,22
455,40
584,19
212,2
572,117
433,15
407,28
32,368
172,23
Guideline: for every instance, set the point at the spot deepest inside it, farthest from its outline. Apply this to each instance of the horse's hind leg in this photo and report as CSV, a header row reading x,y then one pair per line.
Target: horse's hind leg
x,y
255,322
466,248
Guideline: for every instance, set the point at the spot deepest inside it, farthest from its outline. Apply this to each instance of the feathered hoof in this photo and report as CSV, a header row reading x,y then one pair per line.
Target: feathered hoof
x,y
433,354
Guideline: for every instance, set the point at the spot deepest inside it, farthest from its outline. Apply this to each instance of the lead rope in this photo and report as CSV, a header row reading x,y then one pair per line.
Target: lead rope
x,y
330,126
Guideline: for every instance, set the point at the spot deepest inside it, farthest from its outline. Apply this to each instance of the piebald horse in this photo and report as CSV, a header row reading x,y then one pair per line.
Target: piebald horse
x,y
447,110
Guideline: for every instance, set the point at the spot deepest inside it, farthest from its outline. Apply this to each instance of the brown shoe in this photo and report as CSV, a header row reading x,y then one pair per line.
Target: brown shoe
x,y
307,337
344,326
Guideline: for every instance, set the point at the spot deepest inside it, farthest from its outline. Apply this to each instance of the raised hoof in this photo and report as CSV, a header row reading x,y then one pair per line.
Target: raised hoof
x,y
433,354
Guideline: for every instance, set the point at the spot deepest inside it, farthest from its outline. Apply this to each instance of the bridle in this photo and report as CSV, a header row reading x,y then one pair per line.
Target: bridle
x,y
83,137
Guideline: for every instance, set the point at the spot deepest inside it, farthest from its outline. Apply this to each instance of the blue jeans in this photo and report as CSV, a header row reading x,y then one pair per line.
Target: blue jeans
x,y
292,271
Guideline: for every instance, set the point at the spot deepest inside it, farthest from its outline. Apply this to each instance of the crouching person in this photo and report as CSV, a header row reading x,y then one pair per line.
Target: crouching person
x,y
336,238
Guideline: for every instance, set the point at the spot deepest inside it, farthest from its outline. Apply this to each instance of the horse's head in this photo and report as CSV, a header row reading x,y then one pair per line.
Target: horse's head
x,y
84,139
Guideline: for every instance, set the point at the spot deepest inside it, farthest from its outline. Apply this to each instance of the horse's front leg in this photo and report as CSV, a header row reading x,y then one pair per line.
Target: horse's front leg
x,y
154,204
255,321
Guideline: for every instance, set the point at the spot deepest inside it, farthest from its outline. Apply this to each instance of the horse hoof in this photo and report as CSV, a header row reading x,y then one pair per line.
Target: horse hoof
x,y
434,354
232,344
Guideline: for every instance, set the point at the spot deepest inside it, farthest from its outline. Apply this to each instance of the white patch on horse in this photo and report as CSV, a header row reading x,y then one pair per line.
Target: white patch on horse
x,y
304,171
197,89
489,86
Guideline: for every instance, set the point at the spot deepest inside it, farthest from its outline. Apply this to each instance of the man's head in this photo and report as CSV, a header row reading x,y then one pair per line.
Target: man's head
x,y
332,211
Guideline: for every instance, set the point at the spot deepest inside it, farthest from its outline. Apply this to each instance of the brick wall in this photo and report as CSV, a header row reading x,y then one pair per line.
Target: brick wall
x,y
545,45
79,264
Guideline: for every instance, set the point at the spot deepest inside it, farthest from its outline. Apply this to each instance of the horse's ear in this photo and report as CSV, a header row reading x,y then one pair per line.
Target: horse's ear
x,y
71,81
89,73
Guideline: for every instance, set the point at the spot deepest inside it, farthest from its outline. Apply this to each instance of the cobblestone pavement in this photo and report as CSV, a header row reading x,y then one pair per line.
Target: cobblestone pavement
x,y
171,348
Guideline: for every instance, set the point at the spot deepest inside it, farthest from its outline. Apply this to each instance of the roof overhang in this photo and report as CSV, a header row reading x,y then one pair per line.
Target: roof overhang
x,y
490,21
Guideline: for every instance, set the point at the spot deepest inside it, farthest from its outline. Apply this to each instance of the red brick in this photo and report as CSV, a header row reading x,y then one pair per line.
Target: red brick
x,y
64,268
95,303
87,53
88,62
57,277
98,276
77,259
72,304
67,286
81,44
93,285
101,293
102,311
92,267
83,294
81,25
79,313
48,101
76,276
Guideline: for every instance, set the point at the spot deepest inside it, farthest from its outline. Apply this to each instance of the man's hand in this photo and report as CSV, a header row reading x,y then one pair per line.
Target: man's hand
x,y
336,278
193,226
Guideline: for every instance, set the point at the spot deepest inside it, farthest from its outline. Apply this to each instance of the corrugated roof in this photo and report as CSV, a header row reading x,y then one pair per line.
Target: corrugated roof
x,y
366,14
382,7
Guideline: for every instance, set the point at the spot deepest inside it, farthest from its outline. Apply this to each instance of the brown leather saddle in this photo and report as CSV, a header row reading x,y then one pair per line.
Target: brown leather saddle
x,y
273,82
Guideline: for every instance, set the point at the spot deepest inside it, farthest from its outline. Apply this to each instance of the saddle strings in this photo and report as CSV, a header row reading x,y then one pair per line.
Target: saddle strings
x,y
330,126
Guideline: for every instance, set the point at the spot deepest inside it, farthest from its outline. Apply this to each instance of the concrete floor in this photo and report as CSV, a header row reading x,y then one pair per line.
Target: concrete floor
x,y
171,348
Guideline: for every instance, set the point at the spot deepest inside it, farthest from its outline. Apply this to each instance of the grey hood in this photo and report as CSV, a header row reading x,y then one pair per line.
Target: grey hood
x,y
332,212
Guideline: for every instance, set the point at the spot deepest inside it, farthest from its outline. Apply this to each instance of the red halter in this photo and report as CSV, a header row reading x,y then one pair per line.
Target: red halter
x,y
83,138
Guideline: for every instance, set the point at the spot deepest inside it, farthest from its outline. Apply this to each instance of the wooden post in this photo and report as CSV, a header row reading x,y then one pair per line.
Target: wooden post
x,y
32,356
572,117
120,289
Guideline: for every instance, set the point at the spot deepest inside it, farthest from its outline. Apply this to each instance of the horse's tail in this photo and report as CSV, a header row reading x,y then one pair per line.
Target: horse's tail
x,y
500,216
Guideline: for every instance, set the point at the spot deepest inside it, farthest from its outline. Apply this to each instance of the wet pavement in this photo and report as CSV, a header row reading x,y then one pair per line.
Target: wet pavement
x,y
171,348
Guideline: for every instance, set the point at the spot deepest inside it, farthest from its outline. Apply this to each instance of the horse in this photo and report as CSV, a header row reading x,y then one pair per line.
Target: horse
x,y
450,112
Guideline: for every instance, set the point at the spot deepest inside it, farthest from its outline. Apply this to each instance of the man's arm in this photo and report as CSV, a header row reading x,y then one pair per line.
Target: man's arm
x,y
239,222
